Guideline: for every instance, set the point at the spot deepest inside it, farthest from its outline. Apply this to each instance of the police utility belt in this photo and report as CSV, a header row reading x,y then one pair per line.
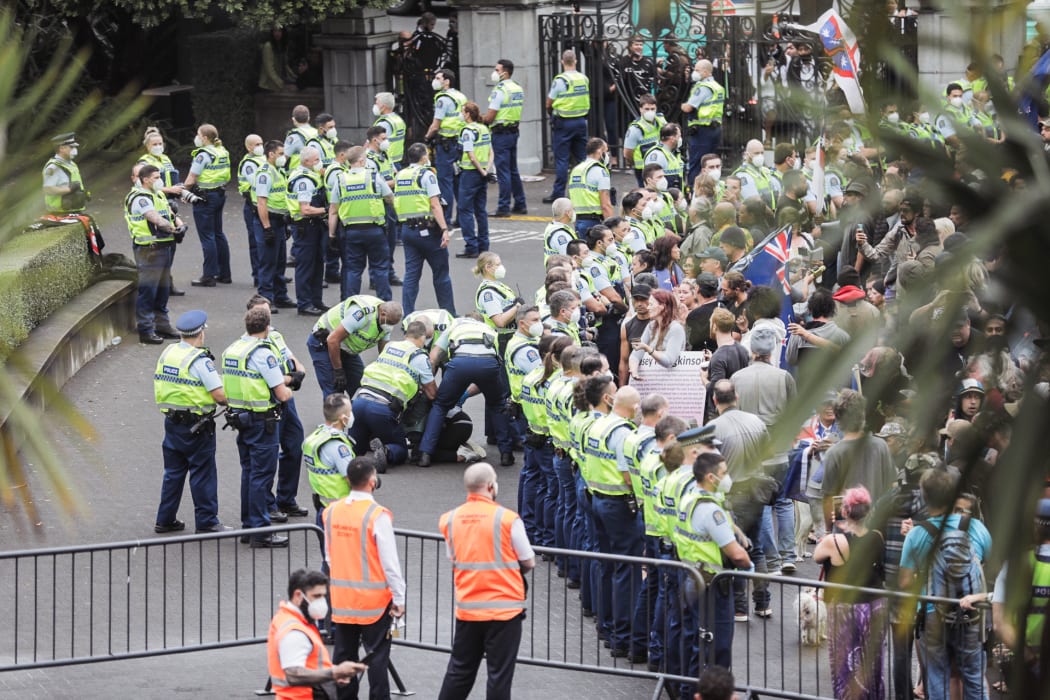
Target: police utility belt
x,y
504,129
155,246
420,222
696,127
197,421
536,439
475,347
381,397
241,419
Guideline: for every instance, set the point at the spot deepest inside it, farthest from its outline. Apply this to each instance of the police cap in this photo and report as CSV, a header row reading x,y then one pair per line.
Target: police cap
x,y
191,323
67,139
704,435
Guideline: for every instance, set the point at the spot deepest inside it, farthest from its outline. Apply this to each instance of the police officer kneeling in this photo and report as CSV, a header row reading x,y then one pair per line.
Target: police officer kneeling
x,y
297,657
187,388
388,384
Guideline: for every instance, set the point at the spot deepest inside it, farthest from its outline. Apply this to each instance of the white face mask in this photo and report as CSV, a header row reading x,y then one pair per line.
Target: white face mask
x,y
384,146
649,115
318,608
258,150
696,76
500,272
157,150
681,205
758,160
332,134
536,329
716,173
574,318
349,423
437,84
647,211
387,327
605,159
724,484
281,161
956,102
657,205
158,185
376,111
661,184
924,117
893,118
198,141
316,167
72,153
494,77
572,219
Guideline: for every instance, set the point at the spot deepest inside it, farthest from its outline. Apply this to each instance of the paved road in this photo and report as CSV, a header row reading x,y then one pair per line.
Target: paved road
x,y
117,479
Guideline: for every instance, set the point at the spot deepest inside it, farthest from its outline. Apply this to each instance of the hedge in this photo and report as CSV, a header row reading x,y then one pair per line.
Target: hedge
x,y
39,272
225,70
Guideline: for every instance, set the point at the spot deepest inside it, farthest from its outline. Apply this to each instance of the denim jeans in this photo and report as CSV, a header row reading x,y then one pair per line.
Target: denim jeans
x,y
505,154
427,249
569,141
473,203
207,217
953,645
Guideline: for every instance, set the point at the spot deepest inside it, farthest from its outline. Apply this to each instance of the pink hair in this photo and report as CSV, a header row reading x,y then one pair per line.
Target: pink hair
x,y
856,503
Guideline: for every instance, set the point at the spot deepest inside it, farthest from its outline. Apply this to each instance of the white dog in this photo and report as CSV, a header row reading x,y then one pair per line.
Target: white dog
x,y
812,617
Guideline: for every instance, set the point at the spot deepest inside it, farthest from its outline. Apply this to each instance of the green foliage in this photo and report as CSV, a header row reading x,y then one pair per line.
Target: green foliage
x,y
225,69
40,271
259,15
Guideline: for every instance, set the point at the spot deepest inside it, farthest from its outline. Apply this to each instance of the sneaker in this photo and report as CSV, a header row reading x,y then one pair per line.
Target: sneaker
x,y
741,617
467,455
764,612
788,567
479,451
379,453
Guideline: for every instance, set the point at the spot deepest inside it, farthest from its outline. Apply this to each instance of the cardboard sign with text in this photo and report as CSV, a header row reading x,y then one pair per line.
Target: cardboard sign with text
x,y
681,385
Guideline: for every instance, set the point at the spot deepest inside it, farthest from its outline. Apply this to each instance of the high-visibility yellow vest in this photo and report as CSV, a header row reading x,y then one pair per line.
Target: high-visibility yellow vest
x,y
359,201
533,396
306,132
325,480
586,199
482,147
600,469
452,124
509,112
163,164
277,198
174,388
244,386
362,339
410,197
395,135
515,375
711,109
293,198
506,294
650,131
244,180
576,100
216,173
694,547
53,202
139,227
392,374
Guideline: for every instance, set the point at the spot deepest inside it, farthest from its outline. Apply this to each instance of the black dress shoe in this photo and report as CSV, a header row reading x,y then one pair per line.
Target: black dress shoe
x,y
245,539
219,527
424,459
467,254
173,526
501,214
573,584
549,199
168,332
203,282
284,304
225,280
269,542
294,510
277,516
396,281
310,311
333,279
150,338
506,459
522,211
274,311
175,292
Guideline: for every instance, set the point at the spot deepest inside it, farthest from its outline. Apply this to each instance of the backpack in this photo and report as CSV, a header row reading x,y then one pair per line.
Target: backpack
x,y
954,571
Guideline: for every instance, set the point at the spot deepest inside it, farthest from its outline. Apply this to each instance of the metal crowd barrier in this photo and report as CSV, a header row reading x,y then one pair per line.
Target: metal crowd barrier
x,y
140,598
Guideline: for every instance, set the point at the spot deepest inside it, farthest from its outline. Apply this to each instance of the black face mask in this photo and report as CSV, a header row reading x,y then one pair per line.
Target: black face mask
x,y
997,343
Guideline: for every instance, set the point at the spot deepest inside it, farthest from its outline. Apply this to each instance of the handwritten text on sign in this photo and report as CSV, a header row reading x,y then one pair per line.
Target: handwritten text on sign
x,y
680,385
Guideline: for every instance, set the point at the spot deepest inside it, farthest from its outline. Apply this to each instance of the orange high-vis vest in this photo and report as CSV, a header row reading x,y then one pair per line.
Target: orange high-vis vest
x,y
358,587
488,580
287,619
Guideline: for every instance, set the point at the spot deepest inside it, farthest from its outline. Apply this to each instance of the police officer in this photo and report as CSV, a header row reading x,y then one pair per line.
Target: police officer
x,y
568,103
269,194
475,142
187,388
705,107
665,154
490,554
254,157
599,268
424,231
154,230
642,134
255,387
361,211
448,122
299,135
291,455
436,320
342,333
495,301
388,385
589,187
153,142
472,351
520,357
561,230
325,138
327,453
367,587
756,180
504,116
308,207
565,314
392,124
63,187
377,145
209,173
333,180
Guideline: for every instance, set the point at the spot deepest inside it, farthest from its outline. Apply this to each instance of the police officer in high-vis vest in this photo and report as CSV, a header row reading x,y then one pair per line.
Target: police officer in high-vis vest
x,y
490,555
705,108
424,231
256,386
327,453
756,180
308,208
333,181
448,122
495,300
209,173
299,135
63,186
472,350
153,142
361,210
367,589
325,138
642,134
392,124
503,117
297,658
376,148
520,357
389,383
253,159
269,194
568,103
154,231
437,322
590,187
343,333
475,142
666,155
561,230
187,389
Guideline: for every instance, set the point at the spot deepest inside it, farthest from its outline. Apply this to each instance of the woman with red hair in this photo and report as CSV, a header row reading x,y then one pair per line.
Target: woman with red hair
x,y
664,338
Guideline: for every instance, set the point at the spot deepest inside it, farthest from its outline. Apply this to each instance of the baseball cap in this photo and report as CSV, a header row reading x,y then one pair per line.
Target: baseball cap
x,y
716,253
969,386
763,341
955,428
641,291
891,428
708,283
921,462
856,187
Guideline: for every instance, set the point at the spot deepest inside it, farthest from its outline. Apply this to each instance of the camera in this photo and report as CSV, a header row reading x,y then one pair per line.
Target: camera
x,y
191,198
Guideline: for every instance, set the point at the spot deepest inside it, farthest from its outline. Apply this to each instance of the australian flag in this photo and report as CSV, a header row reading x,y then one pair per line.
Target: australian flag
x,y
840,45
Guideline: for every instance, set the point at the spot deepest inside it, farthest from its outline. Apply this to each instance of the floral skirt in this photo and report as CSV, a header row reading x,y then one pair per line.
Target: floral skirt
x,y
856,642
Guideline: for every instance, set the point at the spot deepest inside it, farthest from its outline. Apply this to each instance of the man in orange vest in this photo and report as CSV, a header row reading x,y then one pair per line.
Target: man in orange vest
x,y
367,587
490,553
298,660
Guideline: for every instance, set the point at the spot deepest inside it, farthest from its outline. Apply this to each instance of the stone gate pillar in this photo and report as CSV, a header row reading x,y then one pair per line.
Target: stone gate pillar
x,y
489,31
